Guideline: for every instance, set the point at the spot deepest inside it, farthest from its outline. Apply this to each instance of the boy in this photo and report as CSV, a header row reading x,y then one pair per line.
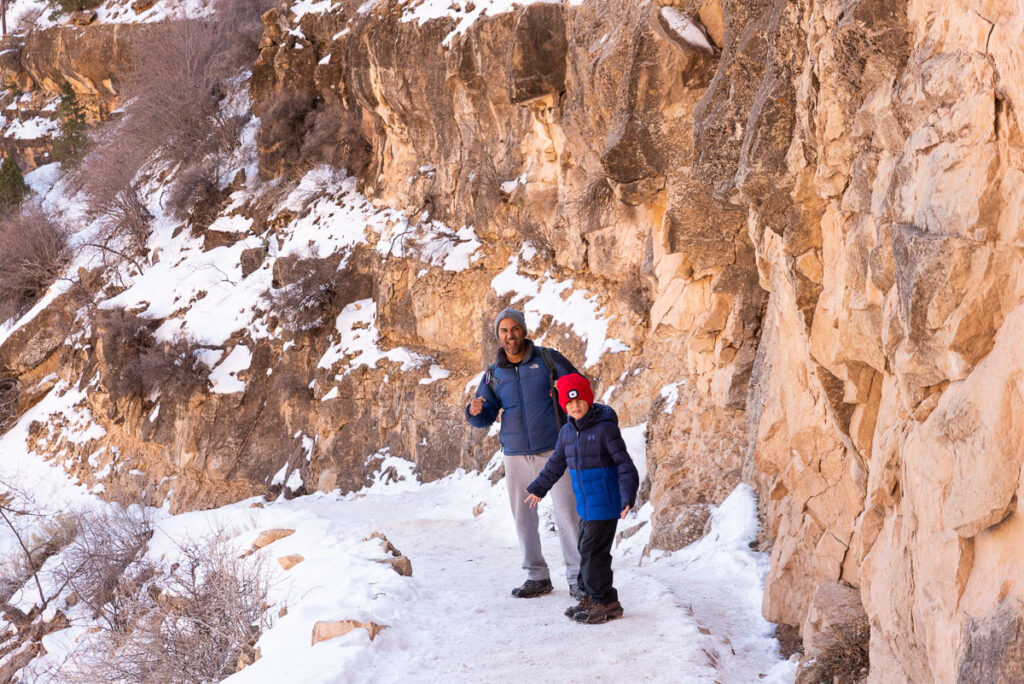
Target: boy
x,y
605,482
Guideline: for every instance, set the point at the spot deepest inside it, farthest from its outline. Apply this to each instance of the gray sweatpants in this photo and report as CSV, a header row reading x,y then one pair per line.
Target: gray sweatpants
x,y
519,472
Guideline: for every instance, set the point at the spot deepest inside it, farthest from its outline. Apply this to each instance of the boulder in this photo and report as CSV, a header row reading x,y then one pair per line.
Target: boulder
x,y
331,629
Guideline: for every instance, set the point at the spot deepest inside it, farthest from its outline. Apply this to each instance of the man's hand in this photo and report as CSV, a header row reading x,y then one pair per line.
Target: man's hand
x,y
624,512
476,406
532,499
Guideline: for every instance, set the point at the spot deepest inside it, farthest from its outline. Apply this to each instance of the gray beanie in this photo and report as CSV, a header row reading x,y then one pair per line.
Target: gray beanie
x,y
516,316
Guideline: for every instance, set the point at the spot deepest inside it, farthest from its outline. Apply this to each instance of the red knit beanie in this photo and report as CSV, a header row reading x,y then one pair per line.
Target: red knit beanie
x,y
574,386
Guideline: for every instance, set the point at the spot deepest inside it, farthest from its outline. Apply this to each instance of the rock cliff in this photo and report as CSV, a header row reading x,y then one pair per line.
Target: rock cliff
x,y
800,223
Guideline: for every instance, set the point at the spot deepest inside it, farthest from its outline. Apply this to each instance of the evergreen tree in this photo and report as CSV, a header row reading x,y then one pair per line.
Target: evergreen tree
x,y
12,184
69,145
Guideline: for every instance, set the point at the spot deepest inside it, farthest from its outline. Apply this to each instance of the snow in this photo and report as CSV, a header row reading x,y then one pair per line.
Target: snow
x,y
464,12
232,224
357,345
671,395
635,438
304,7
31,129
224,378
436,373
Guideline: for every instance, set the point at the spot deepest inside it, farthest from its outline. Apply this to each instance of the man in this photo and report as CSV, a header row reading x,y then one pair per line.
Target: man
x,y
520,384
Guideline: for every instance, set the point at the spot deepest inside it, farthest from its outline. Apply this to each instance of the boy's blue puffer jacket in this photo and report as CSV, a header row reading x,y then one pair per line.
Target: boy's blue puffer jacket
x,y
603,475
523,390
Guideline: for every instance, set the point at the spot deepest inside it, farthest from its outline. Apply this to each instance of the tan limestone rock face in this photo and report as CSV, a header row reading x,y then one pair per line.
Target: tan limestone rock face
x,y
880,427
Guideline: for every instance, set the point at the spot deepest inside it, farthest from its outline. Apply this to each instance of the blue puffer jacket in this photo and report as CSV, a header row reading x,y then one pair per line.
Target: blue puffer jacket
x,y
603,475
523,391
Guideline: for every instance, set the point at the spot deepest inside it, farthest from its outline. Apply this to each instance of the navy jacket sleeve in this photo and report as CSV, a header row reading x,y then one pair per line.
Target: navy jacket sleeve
x,y
629,478
553,470
489,413
562,365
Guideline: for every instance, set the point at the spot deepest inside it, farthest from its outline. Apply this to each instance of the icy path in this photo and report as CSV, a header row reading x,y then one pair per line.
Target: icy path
x,y
690,617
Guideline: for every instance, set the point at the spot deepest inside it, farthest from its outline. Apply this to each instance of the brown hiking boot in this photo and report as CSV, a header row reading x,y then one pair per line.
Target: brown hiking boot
x,y
585,603
598,613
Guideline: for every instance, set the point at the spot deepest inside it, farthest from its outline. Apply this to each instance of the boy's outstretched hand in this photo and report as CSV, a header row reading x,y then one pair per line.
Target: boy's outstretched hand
x,y
624,512
532,499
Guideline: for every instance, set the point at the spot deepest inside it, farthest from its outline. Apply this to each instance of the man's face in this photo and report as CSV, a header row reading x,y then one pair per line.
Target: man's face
x,y
512,336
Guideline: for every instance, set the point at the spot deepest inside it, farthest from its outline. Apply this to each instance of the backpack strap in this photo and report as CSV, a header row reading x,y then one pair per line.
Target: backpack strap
x,y
545,354
489,377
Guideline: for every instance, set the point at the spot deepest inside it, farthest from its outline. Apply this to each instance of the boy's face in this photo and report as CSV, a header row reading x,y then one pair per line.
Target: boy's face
x,y
577,408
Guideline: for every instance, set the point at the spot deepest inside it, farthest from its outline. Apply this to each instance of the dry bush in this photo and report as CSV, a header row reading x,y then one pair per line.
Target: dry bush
x,y
283,123
9,392
39,535
108,178
178,81
333,136
33,252
584,209
174,93
300,131
93,564
308,303
194,623
141,366
845,659
196,193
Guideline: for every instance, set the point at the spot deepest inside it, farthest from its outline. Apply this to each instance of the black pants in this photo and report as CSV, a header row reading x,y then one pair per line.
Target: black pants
x,y
595,545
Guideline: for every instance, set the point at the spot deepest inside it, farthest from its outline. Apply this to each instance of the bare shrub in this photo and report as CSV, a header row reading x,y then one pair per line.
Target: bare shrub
x,y
194,623
283,123
33,252
141,366
584,208
108,178
196,193
38,534
178,80
333,136
93,564
844,659
175,93
9,392
307,303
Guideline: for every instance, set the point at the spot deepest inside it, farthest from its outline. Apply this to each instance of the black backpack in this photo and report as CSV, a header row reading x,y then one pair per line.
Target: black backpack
x,y
545,354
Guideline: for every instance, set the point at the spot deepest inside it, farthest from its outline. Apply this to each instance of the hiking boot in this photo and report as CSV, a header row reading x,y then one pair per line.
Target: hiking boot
x,y
585,604
577,592
598,613
531,588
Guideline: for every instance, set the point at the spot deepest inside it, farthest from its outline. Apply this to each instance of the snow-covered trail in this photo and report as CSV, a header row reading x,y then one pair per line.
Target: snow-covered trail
x,y
465,626
684,622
